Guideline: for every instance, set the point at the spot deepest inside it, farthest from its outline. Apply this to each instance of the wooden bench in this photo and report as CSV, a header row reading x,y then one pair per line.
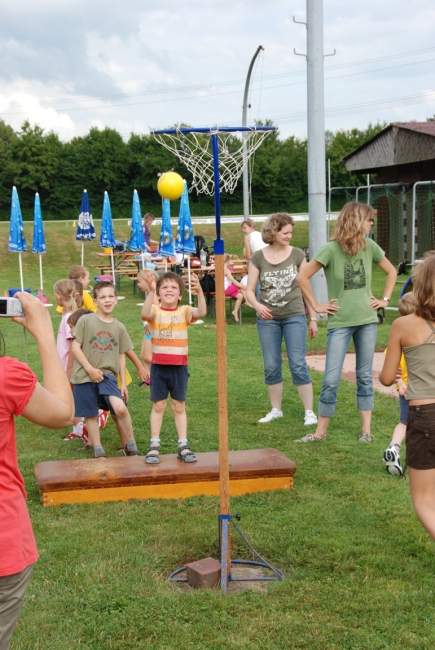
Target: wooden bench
x,y
120,479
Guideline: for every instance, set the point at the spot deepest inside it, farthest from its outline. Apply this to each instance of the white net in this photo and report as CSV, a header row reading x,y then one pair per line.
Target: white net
x,y
194,150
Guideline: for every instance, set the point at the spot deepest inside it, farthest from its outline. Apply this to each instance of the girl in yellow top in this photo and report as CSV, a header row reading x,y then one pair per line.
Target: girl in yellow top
x,y
391,456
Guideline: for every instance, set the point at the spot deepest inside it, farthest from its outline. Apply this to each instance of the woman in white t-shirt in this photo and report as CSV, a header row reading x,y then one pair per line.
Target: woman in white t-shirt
x,y
253,239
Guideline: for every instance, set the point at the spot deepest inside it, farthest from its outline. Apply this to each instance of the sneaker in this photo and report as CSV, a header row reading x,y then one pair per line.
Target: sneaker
x,y
365,437
102,418
273,415
310,418
130,452
99,454
77,432
310,437
392,461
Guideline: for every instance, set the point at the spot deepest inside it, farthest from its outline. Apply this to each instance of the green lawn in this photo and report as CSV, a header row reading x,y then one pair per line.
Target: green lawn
x,y
359,568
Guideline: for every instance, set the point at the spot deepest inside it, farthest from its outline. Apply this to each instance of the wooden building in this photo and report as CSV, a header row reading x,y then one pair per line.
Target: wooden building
x,y
401,155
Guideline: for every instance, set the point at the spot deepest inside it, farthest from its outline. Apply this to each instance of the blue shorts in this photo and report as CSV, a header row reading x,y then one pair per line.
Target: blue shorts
x,y
168,380
404,408
90,397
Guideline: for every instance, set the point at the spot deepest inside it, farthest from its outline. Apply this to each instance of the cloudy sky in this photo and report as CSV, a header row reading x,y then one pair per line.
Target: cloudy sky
x,y
135,65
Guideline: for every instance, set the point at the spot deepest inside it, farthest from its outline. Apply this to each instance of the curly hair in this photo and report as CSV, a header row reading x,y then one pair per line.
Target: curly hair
x,y
349,230
274,224
423,281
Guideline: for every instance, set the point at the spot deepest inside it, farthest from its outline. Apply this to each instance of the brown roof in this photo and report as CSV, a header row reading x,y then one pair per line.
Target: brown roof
x,y
422,127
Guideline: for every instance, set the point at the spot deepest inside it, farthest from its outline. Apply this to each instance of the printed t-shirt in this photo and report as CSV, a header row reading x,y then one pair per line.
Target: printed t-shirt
x,y
278,287
350,280
17,543
101,343
64,338
169,335
88,303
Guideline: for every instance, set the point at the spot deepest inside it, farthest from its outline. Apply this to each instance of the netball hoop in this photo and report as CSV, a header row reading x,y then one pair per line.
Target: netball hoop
x,y
216,157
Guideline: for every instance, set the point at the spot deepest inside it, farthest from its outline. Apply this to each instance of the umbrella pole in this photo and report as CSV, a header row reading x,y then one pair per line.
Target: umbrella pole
x,y
113,264
83,252
22,289
188,280
143,260
41,286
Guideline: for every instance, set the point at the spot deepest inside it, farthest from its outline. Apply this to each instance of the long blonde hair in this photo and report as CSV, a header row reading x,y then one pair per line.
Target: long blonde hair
x,y
67,290
349,230
423,282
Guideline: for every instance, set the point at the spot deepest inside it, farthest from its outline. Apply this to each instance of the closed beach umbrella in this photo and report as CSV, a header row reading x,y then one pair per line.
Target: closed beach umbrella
x,y
85,224
17,240
107,237
185,242
137,237
166,247
38,245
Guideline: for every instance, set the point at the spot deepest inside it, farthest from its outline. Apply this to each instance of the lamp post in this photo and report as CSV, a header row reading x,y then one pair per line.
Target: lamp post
x,y
244,123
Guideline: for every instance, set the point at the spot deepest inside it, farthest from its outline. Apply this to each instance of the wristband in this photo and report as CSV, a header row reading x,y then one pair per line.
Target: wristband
x,y
314,319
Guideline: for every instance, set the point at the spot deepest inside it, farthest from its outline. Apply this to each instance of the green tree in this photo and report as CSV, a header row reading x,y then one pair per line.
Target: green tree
x,y
7,168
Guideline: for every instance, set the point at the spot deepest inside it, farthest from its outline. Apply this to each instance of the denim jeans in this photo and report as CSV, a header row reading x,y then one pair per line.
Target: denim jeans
x,y
364,338
271,333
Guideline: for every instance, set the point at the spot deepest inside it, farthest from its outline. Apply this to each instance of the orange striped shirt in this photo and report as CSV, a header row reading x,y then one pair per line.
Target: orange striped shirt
x,y
169,335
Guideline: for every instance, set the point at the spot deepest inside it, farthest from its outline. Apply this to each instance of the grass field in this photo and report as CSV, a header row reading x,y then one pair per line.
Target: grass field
x,y
359,568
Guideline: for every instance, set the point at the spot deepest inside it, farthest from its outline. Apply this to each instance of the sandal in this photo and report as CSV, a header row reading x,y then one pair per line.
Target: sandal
x,y
152,457
188,457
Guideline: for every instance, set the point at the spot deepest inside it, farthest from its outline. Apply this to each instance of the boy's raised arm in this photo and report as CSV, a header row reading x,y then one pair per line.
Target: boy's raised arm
x,y
147,307
201,310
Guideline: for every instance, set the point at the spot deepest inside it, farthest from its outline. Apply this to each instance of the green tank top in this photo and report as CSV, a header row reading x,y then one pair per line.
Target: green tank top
x,y
420,361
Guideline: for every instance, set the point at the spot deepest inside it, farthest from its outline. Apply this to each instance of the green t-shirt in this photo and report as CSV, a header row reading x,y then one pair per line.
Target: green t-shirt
x,y
350,280
101,343
279,289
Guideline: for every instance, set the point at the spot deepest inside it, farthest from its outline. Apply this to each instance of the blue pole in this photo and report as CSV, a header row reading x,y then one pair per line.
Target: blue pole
x,y
218,242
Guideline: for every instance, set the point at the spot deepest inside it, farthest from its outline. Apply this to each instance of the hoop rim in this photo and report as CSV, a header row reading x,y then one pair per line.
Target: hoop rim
x,y
212,129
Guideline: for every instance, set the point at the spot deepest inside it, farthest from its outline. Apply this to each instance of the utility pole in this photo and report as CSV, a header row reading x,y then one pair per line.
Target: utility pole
x,y
244,123
316,139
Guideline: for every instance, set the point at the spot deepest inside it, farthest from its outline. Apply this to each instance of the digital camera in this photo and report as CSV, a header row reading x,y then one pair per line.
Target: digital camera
x,y
11,307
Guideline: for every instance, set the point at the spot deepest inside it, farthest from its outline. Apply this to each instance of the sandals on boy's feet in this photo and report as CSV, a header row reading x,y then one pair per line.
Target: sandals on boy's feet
x,y
152,457
186,457
130,452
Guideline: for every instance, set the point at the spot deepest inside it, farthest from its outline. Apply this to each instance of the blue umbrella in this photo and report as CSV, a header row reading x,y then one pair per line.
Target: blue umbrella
x,y
185,242
38,235
85,224
107,237
17,240
137,237
166,247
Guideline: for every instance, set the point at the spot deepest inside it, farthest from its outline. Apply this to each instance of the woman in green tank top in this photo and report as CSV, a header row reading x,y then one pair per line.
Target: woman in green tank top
x,y
415,336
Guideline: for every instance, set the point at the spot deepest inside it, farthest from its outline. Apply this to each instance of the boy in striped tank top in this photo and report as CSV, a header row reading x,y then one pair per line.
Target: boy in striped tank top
x,y
169,372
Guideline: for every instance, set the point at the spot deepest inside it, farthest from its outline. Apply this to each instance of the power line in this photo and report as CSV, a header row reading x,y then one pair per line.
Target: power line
x,y
197,87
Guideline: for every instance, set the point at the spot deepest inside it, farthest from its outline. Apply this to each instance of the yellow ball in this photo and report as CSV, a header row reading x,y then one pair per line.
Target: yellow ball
x,y
170,186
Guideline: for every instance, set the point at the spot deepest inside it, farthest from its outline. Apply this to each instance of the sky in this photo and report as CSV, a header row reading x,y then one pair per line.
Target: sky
x,y
134,66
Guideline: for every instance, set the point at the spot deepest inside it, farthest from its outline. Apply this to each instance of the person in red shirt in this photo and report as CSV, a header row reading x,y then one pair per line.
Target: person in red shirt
x,y
50,405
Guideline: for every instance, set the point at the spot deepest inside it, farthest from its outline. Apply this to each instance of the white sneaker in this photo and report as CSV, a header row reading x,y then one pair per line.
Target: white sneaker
x,y
273,415
310,418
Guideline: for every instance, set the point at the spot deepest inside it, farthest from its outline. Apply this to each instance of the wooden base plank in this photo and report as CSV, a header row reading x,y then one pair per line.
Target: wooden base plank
x,y
121,479
174,491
